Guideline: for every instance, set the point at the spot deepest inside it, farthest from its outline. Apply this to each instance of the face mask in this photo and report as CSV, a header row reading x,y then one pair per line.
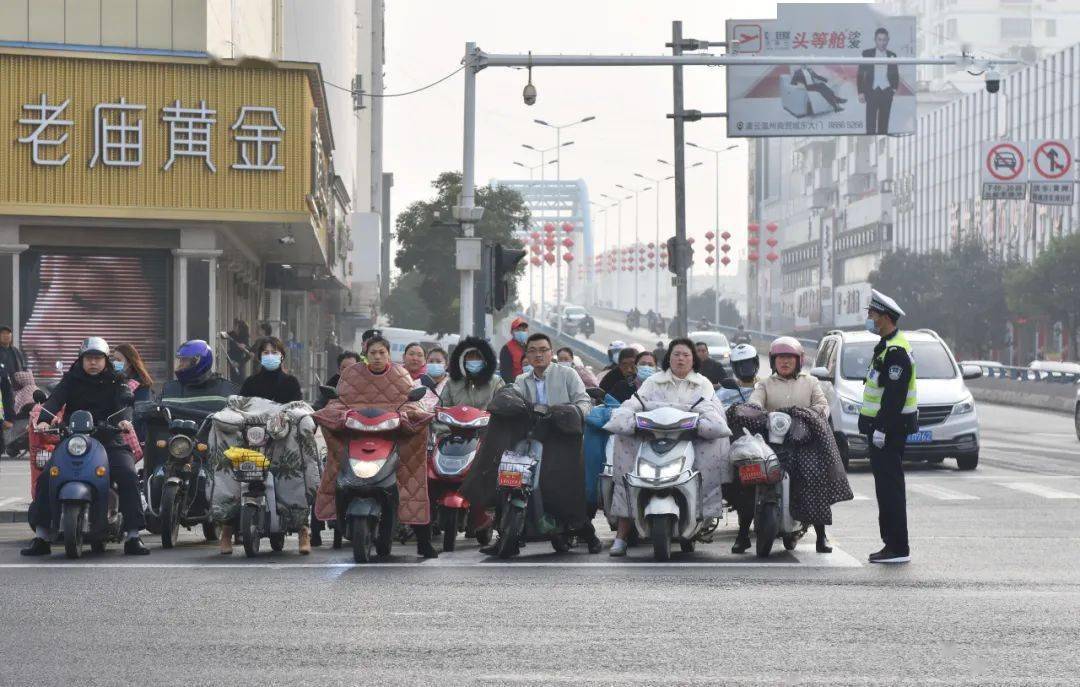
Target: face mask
x,y
521,337
118,365
436,369
527,369
566,363
644,372
474,367
270,361
871,326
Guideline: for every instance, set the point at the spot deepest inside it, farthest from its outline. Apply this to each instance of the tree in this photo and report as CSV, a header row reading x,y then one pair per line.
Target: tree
x,y
404,306
960,294
429,251
703,305
1050,286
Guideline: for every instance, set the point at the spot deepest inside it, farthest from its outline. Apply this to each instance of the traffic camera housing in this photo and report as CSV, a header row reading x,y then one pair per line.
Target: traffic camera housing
x,y
993,80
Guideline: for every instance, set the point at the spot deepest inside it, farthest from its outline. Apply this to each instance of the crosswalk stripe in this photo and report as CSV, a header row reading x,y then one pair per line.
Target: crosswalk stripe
x,y
9,500
940,493
1039,490
859,497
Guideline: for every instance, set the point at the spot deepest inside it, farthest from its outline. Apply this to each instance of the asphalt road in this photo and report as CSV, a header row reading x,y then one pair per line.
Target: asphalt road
x,y
992,597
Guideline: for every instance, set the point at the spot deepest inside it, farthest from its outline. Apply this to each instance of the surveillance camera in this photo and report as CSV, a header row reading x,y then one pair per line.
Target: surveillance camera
x,y
529,94
993,81
287,240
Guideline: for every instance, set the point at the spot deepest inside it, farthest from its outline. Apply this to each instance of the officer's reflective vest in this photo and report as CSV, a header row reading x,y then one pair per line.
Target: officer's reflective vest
x,y
873,390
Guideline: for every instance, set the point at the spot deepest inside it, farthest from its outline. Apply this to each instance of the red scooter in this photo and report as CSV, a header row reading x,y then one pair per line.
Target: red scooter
x,y
448,463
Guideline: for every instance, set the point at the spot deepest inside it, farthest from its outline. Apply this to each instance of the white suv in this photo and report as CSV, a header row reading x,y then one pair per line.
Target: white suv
x,y
948,423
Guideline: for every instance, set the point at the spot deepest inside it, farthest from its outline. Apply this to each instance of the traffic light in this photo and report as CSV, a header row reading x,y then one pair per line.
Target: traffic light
x,y
679,253
504,263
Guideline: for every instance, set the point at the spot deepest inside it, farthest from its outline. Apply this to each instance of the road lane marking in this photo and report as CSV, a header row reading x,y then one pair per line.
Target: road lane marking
x,y
1039,490
940,493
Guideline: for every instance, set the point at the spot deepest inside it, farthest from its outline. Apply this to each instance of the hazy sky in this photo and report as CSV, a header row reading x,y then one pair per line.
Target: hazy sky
x,y
423,132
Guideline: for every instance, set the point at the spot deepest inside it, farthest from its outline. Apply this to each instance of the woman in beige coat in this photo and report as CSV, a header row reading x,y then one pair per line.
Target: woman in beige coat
x,y
788,387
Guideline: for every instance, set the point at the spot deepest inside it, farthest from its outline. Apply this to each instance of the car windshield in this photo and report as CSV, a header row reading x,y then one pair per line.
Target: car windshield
x,y
574,312
932,360
710,339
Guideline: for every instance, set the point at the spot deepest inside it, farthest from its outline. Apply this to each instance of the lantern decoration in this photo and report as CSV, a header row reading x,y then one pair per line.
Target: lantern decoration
x,y
725,235
772,227
752,228
550,258
726,248
535,260
569,257
535,235
771,241
536,248
690,240
651,265
710,248
725,261
549,227
709,261
567,227
753,256
772,257
652,255
753,240
568,242
651,245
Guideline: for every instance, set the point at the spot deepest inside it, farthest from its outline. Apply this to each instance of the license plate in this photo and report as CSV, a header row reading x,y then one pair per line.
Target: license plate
x,y
751,473
43,458
924,437
510,478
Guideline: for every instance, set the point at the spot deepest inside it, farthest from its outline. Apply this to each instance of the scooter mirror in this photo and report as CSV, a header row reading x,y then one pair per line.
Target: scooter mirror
x,y
40,396
59,366
596,393
821,373
328,391
729,383
417,394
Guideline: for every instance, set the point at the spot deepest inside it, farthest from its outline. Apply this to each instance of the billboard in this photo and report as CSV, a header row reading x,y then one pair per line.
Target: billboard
x,y
799,99
851,301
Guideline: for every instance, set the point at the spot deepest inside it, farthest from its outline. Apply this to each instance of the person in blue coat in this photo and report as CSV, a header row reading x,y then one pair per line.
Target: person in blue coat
x,y
595,446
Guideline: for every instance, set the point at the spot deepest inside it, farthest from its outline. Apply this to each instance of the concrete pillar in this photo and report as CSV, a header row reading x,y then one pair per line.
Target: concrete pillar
x,y
182,288
9,253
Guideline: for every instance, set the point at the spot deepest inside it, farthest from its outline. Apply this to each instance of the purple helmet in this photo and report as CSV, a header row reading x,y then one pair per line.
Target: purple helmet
x,y
194,359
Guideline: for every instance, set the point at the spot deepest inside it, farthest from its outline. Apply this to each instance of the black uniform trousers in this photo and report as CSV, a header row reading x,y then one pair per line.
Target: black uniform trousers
x,y
887,464
121,472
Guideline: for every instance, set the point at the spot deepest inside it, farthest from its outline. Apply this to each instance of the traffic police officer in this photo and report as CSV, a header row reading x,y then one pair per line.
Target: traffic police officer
x,y
889,413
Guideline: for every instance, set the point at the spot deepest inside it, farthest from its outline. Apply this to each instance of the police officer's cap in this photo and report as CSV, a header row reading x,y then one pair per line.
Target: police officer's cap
x,y
881,303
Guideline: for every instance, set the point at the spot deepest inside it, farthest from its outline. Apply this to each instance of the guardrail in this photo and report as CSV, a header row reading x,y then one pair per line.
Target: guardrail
x,y
1026,374
589,354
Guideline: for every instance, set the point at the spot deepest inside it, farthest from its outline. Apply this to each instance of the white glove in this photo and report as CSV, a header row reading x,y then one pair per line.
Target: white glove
x,y
879,439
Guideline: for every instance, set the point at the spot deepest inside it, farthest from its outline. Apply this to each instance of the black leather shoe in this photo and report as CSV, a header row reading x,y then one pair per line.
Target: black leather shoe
x,y
492,548
426,550
887,555
823,545
135,547
316,538
38,547
594,544
742,543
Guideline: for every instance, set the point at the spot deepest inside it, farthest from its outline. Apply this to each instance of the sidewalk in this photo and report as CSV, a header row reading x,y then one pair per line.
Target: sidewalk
x,y
14,490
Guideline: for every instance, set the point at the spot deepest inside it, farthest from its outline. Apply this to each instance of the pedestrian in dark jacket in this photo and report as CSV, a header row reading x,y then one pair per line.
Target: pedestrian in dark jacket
x,y
344,360
512,355
271,380
12,360
714,371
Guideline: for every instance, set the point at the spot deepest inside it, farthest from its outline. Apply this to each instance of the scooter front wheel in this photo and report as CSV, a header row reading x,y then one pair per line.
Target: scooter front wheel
x,y
361,539
766,526
71,521
170,519
513,525
660,527
249,529
448,522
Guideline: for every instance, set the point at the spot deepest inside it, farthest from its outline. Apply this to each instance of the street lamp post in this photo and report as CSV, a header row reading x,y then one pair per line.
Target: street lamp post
x,y
533,168
618,244
604,211
656,263
716,224
637,236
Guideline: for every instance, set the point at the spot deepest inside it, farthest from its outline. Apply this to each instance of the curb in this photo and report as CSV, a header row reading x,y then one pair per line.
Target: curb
x,y
9,516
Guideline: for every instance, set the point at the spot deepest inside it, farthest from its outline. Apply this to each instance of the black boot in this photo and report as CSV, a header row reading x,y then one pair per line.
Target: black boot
x,y
492,548
135,547
38,547
823,545
316,530
742,541
423,541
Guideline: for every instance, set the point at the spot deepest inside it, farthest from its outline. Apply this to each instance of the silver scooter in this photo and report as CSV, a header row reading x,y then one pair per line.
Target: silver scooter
x,y
665,486
772,492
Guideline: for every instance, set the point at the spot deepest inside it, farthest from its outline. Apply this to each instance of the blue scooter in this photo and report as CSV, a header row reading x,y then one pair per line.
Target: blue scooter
x,y
82,498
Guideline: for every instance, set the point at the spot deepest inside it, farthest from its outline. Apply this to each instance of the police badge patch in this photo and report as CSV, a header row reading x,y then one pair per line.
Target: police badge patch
x,y
894,372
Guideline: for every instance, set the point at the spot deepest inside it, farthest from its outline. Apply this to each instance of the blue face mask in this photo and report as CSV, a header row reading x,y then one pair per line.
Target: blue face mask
x,y
644,372
270,361
474,367
118,365
521,337
871,326
527,369
436,369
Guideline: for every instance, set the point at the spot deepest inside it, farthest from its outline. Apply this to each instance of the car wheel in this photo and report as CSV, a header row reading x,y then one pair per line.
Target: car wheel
x,y
968,462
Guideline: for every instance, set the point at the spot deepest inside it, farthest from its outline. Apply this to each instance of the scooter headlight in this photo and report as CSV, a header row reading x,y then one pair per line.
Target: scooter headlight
x,y
77,445
180,446
666,471
366,469
779,426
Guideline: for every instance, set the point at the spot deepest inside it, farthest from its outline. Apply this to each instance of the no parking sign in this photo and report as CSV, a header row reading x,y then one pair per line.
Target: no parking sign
x,y
1004,170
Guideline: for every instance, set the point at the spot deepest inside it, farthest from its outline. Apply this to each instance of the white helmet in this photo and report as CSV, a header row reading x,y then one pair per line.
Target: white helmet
x,y
745,362
94,344
743,352
613,351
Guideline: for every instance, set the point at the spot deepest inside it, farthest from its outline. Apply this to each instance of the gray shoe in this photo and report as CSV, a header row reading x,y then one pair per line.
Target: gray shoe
x,y
618,548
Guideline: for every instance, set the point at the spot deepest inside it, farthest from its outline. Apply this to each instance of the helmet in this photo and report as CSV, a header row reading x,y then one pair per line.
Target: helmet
x,y
94,344
786,345
744,361
202,363
613,351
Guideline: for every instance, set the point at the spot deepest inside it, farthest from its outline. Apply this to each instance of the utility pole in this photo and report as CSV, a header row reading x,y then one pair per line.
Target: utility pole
x,y
680,182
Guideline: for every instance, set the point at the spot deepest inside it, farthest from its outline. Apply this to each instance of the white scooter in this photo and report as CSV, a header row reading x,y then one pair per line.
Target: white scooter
x,y
665,486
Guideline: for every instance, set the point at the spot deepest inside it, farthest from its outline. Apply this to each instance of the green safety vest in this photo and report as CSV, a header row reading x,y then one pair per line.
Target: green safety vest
x,y
873,391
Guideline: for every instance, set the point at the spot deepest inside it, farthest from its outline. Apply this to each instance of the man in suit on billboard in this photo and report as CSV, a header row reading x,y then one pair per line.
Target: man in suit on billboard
x,y
877,83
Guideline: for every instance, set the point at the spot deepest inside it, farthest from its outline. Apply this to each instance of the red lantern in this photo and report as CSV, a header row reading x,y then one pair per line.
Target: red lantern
x,y
725,261
641,249
753,256
725,248
536,248
549,227
550,258
651,245
710,248
650,265
771,226
690,240
726,235
652,255
709,261
709,235
535,235
569,257
568,242
771,241
535,260
567,227
772,257
752,228
753,240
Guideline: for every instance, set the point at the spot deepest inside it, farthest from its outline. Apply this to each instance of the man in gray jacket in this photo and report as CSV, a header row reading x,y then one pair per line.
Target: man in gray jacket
x,y
550,384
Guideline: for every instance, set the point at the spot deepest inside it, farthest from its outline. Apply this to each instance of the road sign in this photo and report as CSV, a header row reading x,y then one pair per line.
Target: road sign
x,y
747,38
1052,161
1004,163
1004,191
1053,192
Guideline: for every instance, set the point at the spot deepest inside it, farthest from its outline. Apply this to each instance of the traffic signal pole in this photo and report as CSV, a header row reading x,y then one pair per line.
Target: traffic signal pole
x,y
682,268
475,60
